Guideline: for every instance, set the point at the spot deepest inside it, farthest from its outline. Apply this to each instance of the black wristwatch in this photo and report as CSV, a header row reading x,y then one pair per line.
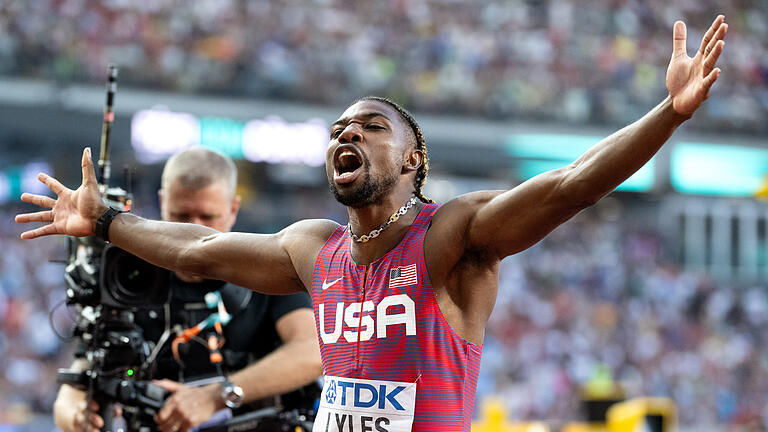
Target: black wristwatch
x,y
103,222
232,394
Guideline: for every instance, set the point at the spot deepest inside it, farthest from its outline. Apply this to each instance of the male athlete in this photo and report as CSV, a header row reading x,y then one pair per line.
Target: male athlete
x,y
402,294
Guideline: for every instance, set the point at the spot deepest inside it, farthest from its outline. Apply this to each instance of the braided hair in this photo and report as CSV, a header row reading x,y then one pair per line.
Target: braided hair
x,y
421,143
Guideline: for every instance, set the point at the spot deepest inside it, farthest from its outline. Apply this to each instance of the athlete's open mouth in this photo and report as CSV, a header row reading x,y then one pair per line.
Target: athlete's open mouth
x,y
346,163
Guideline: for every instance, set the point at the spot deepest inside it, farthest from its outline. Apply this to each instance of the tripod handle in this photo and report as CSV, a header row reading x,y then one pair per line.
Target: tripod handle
x,y
107,413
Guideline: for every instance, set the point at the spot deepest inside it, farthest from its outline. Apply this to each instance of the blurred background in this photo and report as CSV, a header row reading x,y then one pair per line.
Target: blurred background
x,y
660,287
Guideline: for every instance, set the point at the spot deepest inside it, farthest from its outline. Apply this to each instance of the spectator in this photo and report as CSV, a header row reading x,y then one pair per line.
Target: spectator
x,y
598,62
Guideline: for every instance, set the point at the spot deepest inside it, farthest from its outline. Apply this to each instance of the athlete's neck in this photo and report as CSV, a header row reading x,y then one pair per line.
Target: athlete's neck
x,y
363,220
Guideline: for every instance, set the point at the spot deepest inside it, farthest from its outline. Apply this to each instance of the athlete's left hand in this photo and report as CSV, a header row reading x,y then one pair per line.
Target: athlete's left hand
x,y
689,79
187,407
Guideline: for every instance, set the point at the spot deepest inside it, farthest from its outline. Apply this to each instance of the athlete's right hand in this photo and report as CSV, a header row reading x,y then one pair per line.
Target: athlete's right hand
x,y
73,212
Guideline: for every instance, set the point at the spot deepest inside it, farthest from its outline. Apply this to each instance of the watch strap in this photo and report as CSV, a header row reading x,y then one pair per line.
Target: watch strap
x,y
103,222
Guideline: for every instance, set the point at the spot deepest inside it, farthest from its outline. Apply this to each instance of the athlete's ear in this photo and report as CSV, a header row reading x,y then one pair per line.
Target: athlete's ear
x,y
413,160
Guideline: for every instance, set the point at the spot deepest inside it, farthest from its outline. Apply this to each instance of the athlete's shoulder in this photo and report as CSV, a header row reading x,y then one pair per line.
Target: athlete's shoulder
x,y
462,208
303,241
446,241
310,229
307,236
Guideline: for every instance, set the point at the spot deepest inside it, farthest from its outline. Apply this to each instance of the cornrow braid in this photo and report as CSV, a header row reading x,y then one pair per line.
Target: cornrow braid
x,y
421,144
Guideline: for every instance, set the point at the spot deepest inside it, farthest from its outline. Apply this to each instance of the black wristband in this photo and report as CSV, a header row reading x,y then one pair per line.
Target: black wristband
x,y
103,222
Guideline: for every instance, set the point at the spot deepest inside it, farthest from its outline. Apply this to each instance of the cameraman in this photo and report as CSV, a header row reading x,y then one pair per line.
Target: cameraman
x,y
276,334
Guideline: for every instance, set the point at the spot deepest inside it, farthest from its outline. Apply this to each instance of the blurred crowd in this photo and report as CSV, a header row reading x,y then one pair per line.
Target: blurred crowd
x,y
571,61
31,314
597,295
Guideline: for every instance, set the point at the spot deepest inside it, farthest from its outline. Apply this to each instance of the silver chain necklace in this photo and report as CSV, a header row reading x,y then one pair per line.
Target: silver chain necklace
x,y
375,233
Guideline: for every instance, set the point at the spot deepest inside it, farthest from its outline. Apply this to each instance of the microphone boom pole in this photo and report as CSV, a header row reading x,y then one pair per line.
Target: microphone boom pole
x,y
104,168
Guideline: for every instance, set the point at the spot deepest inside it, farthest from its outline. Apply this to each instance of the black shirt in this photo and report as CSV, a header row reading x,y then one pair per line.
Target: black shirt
x,y
249,335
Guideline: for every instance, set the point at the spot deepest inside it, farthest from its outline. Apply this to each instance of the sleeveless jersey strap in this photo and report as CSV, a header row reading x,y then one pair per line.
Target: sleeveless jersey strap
x,y
427,212
334,242
421,223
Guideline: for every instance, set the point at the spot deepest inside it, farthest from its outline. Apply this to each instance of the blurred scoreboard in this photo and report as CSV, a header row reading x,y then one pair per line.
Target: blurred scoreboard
x,y
694,168
718,169
157,133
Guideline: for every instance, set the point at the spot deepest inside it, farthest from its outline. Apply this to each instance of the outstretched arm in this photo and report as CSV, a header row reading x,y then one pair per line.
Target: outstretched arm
x,y
275,264
509,222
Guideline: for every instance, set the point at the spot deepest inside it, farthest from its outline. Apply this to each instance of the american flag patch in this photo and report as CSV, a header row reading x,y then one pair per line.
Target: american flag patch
x,y
402,276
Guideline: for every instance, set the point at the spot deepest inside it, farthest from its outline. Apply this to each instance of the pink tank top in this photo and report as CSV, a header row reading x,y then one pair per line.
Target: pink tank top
x,y
372,360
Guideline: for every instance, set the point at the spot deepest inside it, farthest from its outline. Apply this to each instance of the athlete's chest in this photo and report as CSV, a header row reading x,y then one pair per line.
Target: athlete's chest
x,y
362,303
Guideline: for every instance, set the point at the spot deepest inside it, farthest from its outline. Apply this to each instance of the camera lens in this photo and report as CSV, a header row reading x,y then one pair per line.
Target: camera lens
x,y
134,278
130,281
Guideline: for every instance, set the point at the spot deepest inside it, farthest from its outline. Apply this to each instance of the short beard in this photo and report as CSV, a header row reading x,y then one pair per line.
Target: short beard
x,y
369,193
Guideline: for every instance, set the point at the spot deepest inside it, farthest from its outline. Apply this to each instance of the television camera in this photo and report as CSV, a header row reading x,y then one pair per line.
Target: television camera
x,y
106,285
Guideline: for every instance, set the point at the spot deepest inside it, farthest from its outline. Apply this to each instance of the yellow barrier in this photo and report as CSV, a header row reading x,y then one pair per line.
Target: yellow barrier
x,y
495,420
643,414
584,427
